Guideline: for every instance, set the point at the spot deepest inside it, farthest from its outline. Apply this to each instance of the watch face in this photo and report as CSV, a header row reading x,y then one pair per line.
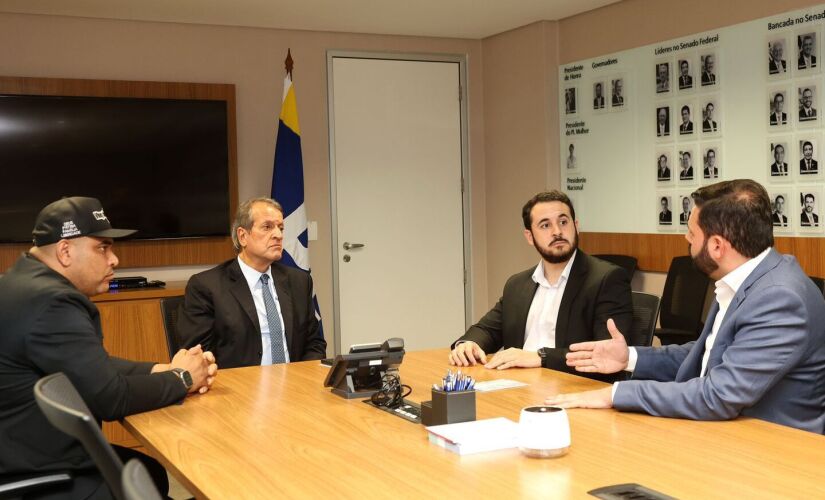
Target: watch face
x,y
187,378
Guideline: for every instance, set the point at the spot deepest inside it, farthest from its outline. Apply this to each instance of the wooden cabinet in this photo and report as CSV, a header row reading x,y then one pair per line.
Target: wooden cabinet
x,y
133,329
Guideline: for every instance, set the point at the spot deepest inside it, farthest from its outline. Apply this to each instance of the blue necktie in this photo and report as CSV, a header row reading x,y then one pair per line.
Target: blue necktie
x,y
276,333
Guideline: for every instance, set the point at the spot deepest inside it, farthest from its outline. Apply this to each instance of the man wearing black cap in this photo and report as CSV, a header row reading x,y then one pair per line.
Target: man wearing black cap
x,y
50,325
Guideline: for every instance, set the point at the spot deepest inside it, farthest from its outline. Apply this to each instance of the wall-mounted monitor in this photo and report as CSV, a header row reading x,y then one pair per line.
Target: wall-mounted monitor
x,y
158,165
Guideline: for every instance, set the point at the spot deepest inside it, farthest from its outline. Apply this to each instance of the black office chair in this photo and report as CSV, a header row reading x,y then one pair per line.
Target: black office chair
x,y
18,486
137,483
169,307
66,410
683,302
645,312
820,283
626,262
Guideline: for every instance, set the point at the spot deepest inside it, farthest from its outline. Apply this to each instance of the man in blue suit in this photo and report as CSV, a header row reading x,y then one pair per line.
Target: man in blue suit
x,y
762,352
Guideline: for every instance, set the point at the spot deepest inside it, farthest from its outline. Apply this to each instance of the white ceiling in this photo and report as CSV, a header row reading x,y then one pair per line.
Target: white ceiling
x,y
442,18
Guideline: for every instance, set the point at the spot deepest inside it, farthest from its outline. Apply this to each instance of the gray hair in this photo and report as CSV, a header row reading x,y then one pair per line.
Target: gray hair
x,y
243,217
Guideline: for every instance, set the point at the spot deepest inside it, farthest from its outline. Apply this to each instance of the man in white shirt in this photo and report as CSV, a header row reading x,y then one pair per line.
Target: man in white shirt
x,y
762,352
566,298
251,310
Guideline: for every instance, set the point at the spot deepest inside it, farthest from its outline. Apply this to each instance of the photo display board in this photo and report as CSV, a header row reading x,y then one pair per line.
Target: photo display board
x,y
643,128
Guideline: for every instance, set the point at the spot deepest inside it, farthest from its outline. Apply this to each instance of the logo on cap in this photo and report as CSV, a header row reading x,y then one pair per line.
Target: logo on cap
x,y
69,230
99,215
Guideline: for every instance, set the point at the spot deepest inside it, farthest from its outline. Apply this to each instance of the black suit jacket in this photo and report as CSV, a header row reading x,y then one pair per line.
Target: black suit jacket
x,y
803,219
686,174
783,121
665,217
708,126
779,222
663,176
800,63
803,167
685,82
618,100
773,68
219,313
708,78
596,291
686,128
776,171
598,102
48,326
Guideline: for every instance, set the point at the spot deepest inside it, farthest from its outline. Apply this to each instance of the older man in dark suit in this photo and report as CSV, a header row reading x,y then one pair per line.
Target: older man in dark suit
x,y
251,310
567,298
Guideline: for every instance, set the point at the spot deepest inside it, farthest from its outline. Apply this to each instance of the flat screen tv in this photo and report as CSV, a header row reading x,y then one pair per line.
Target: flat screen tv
x,y
158,165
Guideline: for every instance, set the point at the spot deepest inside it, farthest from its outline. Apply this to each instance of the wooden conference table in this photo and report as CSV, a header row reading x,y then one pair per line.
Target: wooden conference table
x,y
275,431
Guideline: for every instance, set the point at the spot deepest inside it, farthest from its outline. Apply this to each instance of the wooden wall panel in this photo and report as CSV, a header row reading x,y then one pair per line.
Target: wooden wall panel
x,y
144,253
133,329
655,251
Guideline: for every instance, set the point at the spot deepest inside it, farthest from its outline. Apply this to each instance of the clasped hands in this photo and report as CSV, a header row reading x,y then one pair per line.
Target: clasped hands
x,y
200,364
601,356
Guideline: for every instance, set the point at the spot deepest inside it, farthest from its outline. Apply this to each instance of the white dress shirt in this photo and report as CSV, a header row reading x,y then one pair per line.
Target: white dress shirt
x,y
253,279
540,329
726,288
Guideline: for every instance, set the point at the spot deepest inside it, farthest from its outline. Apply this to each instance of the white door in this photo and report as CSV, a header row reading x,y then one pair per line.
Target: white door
x,y
396,152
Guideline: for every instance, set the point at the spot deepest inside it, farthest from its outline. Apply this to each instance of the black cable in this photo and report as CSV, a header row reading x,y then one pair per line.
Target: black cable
x,y
392,392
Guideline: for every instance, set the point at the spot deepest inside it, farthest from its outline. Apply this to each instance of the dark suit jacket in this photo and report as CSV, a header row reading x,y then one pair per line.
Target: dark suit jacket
x,y
767,362
804,118
685,82
707,173
663,176
598,102
708,126
48,326
665,217
683,218
686,128
775,170
774,69
803,167
708,78
618,100
777,221
596,291
686,174
783,121
667,129
219,313
803,219
800,63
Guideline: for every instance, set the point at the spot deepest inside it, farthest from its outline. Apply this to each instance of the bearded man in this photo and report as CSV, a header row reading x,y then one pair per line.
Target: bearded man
x,y
567,298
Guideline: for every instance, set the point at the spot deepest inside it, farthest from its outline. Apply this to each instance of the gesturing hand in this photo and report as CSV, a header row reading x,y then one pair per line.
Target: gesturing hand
x,y
601,356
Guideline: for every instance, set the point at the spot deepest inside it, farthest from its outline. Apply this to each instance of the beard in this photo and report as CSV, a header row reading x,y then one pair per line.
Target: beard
x,y
555,257
702,261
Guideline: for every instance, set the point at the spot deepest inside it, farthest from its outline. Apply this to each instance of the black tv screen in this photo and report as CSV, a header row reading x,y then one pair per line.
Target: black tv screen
x,y
158,165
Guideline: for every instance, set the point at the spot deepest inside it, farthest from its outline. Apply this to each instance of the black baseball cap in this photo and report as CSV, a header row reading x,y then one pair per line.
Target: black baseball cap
x,y
72,218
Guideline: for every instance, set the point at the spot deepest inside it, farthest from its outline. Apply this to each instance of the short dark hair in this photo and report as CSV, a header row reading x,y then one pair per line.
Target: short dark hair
x,y
738,211
777,198
686,108
807,143
545,197
809,195
664,199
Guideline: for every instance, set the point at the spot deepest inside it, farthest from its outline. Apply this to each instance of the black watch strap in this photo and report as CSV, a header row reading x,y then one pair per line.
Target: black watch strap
x,y
543,355
184,377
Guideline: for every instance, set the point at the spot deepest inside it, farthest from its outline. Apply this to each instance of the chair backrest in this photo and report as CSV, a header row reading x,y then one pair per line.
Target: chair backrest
x,y
169,307
626,262
683,299
820,283
137,483
66,410
645,313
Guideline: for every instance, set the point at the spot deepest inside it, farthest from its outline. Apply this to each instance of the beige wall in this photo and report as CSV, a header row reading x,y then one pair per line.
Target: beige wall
x,y
513,88
252,59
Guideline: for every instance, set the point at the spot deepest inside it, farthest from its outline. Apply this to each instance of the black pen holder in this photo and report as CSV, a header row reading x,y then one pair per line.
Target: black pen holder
x,y
449,408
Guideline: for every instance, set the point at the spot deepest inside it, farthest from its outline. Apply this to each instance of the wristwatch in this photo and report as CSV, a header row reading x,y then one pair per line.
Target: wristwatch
x,y
543,355
184,377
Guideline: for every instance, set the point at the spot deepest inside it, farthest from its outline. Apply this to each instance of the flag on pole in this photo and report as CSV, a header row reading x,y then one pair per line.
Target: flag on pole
x,y
288,183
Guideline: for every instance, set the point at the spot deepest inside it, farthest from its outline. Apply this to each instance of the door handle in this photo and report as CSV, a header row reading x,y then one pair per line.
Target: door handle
x,y
351,246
